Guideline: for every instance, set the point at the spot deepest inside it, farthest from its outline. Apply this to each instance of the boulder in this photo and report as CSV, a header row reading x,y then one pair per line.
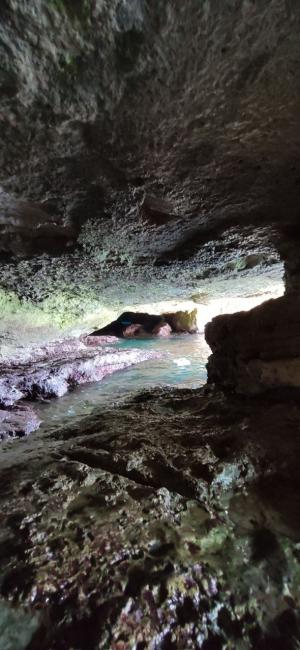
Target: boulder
x,y
130,323
133,331
18,422
256,350
182,321
162,329
133,324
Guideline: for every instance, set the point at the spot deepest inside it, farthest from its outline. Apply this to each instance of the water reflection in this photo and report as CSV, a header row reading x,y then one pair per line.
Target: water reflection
x,y
181,364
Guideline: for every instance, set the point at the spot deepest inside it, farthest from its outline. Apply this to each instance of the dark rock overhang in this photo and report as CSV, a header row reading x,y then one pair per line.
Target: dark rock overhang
x,y
104,104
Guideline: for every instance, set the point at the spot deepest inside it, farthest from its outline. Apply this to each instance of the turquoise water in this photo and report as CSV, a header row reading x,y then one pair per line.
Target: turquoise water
x,y
181,364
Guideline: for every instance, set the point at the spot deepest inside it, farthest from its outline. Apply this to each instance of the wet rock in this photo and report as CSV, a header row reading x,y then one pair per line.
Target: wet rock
x,y
53,370
18,422
172,522
131,323
134,330
256,350
163,329
99,340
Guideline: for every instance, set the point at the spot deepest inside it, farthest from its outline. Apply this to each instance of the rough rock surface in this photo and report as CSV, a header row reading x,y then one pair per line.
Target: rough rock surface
x,y
182,321
172,522
57,368
206,132
257,350
20,421
162,330
133,324
146,148
120,139
54,370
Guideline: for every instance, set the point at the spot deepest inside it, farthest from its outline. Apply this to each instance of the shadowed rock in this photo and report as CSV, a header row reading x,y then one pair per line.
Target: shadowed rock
x,y
27,228
135,324
111,115
256,350
131,323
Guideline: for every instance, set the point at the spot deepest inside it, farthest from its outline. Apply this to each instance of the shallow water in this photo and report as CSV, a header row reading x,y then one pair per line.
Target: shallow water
x,y
101,490
181,364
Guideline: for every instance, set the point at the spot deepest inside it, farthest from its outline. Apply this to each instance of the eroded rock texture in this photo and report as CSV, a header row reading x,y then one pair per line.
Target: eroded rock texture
x,y
141,129
196,103
257,350
54,370
135,324
171,522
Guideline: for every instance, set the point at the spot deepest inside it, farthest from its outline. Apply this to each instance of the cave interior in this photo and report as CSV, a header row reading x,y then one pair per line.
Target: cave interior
x,y
150,325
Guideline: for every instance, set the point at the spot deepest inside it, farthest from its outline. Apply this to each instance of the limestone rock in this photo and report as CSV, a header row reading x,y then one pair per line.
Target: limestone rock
x,y
131,323
162,330
133,330
81,81
182,321
256,350
54,370
19,421
92,340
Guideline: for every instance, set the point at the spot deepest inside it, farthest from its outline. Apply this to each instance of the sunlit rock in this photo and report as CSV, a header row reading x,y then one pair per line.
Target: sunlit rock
x,y
163,329
57,368
134,330
182,321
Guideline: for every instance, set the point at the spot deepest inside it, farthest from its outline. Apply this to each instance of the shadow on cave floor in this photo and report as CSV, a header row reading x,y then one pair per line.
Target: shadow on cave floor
x,y
171,521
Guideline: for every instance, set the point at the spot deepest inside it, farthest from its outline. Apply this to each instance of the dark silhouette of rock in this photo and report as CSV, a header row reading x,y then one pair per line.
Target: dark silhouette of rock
x,y
131,323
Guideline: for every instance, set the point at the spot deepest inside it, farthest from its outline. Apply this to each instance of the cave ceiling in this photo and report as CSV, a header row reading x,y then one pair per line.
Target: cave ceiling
x,y
141,137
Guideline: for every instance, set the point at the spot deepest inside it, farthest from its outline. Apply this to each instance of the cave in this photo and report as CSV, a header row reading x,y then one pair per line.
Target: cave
x,y
150,325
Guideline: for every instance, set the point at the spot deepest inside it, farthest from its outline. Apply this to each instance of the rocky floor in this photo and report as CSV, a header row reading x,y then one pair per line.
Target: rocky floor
x,y
169,522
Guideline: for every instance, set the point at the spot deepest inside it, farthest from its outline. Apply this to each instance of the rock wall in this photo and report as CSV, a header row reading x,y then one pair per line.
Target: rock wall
x,y
134,135
256,350
181,116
